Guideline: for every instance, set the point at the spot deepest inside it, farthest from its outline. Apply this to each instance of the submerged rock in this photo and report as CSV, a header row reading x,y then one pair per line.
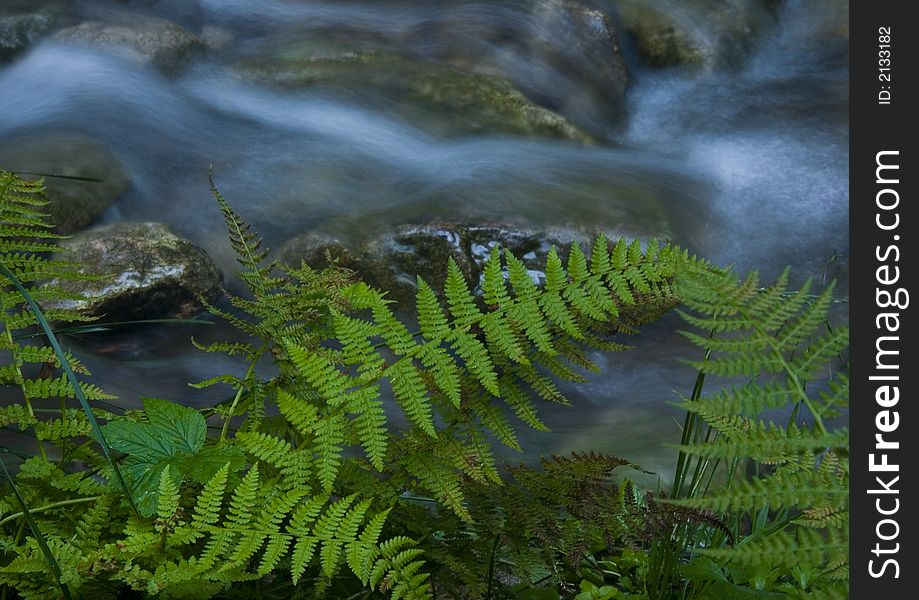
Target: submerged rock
x,y
582,43
73,204
22,22
144,271
19,29
148,40
700,33
392,262
389,262
445,100
562,54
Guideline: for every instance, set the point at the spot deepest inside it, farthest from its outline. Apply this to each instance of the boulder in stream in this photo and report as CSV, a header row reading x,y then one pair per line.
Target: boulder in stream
x,y
73,204
581,43
699,33
143,271
147,40
442,99
564,55
23,22
392,261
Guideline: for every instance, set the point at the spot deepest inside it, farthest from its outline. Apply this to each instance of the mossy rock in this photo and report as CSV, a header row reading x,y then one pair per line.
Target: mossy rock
x,y
697,33
444,100
73,204
139,271
564,55
393,261
23,22
147,40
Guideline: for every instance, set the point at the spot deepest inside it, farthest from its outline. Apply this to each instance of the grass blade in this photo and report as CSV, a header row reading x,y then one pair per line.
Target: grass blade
x,y
101,327
57,176
71,376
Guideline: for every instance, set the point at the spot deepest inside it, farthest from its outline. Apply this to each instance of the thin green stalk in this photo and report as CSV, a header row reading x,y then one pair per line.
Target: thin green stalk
x,y
239,393
97,327
37,533
798,385
48,507
491,566
689,431
71,376
56,176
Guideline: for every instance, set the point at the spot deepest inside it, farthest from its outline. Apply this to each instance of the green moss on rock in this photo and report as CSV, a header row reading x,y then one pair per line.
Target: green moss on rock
x,y
446,100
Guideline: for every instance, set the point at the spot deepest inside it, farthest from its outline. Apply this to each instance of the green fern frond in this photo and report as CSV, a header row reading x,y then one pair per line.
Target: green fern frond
x,y
801,546
788,492
779,339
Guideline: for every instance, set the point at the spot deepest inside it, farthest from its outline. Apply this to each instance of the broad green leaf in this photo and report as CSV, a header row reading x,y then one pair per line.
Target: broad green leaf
x,y
173,436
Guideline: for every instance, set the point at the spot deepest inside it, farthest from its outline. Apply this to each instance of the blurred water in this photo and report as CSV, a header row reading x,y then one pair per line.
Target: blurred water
x,y
746,165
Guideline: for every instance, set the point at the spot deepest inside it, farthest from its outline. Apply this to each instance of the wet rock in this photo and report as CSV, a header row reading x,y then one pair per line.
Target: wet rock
x,y
320,251
393,261
444,100
699,33
19,30
390,262
145,271
21,23
73,204
564,55
148,40
582,43
423,251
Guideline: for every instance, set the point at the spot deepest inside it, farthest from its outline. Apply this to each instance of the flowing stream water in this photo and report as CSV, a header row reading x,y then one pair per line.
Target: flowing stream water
x,y
747,163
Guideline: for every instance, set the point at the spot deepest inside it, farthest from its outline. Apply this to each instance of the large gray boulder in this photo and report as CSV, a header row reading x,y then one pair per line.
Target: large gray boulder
x,y
141,271
73,204
147,40
389,262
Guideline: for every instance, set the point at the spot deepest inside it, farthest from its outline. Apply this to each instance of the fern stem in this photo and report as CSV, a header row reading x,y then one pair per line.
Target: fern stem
x,y
239,393
799,387
491,566
48,507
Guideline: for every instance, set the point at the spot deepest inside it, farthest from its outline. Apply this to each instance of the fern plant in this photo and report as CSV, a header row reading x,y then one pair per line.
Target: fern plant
x,y
337,351
773,434
307,487
176,513
25,238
